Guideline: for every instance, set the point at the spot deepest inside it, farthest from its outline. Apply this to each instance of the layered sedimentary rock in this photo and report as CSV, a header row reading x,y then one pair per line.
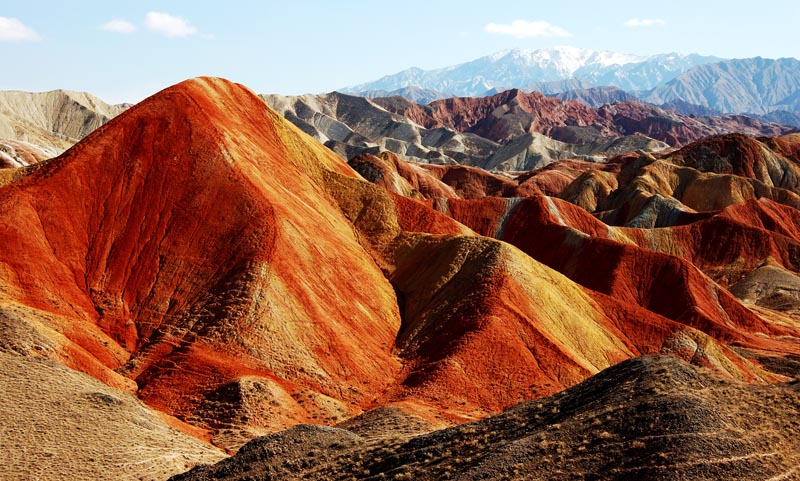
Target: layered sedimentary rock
x,y
16,153
173,267
353,125
507,131
505,116
720,213
201,252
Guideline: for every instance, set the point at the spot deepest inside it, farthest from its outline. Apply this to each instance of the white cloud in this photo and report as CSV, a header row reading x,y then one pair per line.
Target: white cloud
x,y
119,25
169,25
11,29
525,29
644,22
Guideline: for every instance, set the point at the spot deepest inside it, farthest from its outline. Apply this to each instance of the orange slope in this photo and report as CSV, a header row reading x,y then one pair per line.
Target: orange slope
x,y
189,242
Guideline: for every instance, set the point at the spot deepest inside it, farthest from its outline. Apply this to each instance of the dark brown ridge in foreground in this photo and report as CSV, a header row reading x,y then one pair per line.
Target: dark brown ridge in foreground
x,y
651,418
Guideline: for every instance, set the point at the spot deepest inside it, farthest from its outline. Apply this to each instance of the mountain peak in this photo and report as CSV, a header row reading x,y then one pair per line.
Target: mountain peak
x,y
750,85
169,223
517,68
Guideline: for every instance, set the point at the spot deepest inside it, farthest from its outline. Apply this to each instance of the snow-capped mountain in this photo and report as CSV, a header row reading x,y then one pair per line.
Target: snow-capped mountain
x,y
519,68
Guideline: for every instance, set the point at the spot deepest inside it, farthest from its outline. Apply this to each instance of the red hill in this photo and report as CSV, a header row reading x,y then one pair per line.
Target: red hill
x,y
187,244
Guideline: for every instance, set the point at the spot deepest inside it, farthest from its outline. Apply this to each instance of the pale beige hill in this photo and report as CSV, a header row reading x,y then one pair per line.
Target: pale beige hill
x,y
56,119
59,424
351,125
534,150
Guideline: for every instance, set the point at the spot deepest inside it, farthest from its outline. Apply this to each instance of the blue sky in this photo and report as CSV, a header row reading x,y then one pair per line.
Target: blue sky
x,y
293,47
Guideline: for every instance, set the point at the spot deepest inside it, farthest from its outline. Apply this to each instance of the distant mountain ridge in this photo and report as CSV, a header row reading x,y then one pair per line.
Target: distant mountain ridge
x,y
596,97
518,68
754,86
414,94
768,89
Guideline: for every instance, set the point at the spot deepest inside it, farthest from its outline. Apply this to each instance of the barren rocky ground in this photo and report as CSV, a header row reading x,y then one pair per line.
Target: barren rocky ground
x,y
652,418
59,424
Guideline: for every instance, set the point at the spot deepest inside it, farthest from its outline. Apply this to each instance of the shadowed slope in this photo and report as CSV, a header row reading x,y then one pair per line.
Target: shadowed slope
x,y
647,418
